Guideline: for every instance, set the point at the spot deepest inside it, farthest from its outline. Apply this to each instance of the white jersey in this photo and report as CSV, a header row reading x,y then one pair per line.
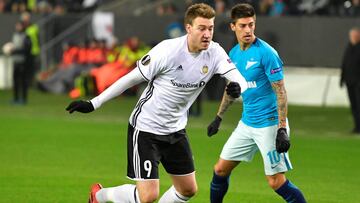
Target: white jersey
x,y
175,79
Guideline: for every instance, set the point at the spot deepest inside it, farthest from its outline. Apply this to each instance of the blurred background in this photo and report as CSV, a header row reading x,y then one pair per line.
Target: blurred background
x,y
310,36
80,47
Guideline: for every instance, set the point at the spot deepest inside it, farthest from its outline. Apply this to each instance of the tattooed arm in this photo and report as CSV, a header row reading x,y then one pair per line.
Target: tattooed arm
x,y
224,105
281,98
226,101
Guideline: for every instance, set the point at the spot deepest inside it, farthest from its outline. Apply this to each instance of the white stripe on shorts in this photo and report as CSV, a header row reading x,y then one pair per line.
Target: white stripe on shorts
x,y
136,157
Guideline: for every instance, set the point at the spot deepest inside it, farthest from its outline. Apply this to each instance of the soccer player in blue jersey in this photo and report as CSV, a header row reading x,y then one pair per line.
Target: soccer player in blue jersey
x,y
263,125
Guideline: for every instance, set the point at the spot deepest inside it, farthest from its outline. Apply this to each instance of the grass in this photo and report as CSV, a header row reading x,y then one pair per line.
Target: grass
x,y
48,155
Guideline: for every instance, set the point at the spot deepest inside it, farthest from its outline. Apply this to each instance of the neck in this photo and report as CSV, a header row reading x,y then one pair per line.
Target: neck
x,y
191,47
245,46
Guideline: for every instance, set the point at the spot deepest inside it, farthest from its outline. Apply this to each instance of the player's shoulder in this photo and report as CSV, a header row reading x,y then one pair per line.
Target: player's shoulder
x,y
265,47
234,49
172,43
169,46
215,49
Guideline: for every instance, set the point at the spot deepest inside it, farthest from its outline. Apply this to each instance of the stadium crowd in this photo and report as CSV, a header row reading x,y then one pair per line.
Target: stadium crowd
x,y
89,67
168,7
48,6
275,7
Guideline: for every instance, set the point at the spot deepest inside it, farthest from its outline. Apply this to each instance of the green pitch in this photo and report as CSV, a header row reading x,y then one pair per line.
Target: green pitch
x,y
47,155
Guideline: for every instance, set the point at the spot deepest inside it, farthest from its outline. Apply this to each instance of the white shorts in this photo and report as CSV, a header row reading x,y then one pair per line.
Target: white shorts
x,y
245,141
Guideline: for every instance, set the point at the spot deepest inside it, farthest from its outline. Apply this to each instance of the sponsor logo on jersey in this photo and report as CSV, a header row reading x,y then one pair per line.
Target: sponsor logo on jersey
x,y
249,64
145,60
251,84
275,70
188,85
204,69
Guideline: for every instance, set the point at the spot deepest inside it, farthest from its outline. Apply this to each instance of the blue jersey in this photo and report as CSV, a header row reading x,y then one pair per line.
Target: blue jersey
x,y
260,64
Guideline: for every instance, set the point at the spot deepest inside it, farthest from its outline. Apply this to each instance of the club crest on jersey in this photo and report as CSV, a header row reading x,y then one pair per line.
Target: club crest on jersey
x,y
145,60
205,69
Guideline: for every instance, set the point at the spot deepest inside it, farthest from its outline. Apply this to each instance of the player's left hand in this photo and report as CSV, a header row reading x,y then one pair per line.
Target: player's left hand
x,y
80,106
233,89
282,141
213,128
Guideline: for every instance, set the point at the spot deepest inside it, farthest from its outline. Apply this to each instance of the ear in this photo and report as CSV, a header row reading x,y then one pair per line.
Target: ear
x,y
188,28
232,26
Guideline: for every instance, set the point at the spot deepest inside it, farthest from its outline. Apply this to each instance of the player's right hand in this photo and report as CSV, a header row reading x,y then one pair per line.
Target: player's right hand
x,y
233,89
213,128
80,106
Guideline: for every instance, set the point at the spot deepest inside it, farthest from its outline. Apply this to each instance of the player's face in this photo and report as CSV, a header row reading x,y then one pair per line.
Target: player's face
x,y
244,29
200,34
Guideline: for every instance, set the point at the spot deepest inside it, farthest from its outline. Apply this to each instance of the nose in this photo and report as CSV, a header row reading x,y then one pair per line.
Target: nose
x,y
247,29
207,34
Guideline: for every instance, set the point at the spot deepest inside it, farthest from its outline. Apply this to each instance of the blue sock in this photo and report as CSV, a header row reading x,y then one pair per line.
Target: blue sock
x,y
290,193
218,188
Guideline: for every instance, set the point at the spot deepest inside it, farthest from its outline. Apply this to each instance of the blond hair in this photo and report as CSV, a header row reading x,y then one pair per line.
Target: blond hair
x,y
198,10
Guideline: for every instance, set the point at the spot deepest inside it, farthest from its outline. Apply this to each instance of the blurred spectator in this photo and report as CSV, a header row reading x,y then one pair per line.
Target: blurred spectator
x,y
175,29
131,51
165,8
18,6
20,52
220,6
351,8
318,7
88,55
350,75
272,7
32,30
4,6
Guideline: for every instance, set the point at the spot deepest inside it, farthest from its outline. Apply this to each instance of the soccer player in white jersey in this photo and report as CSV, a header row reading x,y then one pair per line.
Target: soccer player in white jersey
x,y
263,126
176,71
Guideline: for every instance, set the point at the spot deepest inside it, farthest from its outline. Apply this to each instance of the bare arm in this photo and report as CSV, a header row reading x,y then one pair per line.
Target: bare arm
x,y
281,98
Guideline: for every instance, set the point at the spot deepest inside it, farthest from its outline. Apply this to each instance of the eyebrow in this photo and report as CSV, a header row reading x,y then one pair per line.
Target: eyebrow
x,y
205,26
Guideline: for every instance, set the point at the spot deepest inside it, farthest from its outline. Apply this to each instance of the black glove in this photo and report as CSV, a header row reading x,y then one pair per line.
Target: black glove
x,y
80,106
282,141
233,89
213,128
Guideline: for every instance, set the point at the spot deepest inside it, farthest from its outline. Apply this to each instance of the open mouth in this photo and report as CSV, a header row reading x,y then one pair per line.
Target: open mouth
x,y
205,41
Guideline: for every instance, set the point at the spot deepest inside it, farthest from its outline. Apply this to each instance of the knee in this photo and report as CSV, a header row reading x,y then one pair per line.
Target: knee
x,y
148,197
276,181
189,191
221,171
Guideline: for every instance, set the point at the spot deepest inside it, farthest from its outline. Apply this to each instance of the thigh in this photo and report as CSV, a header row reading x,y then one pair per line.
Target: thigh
x,y
274,162
240,146
143,155
176,157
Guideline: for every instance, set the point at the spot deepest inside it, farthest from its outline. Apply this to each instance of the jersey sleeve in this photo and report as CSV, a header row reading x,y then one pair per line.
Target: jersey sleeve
x,y
222,62
273,65
153,62
226,68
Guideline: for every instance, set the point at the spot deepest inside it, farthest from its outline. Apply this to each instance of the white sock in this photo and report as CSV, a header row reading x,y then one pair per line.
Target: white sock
x,y
172,196
120,194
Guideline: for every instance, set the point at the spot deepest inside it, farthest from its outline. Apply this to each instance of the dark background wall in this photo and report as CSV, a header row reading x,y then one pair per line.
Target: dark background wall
x,y
300,41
